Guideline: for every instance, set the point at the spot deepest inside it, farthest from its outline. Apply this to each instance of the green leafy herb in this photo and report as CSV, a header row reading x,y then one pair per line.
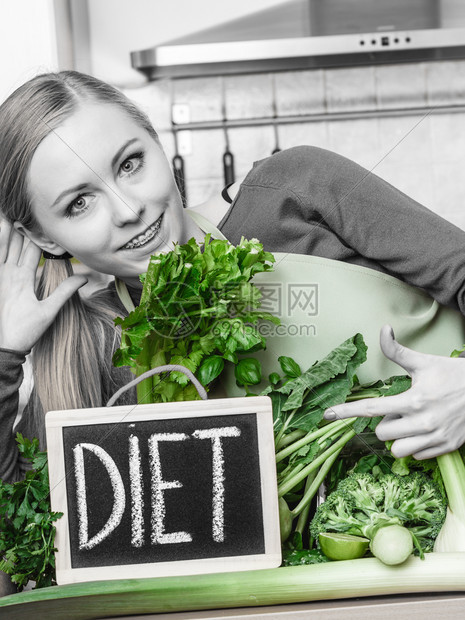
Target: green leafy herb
x,y
210,369
198,306
289,366
299,557
248,371
26,522
325,384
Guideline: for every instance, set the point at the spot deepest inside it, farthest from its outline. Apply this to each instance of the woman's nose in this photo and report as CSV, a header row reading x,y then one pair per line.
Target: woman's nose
x,y
126,210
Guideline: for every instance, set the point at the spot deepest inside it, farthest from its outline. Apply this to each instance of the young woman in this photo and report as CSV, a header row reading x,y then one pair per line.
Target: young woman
x,y
82,174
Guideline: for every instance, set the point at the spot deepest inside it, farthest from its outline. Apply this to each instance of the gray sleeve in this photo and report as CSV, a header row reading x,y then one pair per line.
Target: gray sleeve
x,y
378,221
11,376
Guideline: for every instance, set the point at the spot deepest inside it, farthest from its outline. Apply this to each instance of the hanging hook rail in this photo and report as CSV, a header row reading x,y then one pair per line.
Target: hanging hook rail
x,y
320,117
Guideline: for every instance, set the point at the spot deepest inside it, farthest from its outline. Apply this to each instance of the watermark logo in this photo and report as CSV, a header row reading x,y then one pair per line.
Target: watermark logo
x,y
303,297
272,298
287,301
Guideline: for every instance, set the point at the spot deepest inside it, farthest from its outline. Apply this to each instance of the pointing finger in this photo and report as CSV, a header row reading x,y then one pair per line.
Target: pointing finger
x,y
370,407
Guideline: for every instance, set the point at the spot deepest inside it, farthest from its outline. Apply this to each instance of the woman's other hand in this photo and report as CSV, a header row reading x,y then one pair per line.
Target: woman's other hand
x,y
24,318
428,419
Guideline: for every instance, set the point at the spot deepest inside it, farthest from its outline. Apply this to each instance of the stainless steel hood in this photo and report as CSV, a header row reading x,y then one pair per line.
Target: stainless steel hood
x,y
302,34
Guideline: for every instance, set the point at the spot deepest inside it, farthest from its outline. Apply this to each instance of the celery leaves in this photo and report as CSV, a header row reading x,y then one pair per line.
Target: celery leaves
x,y
198,304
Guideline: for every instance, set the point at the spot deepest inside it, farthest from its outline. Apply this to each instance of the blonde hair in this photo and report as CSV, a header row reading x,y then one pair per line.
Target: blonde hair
x,y
71,367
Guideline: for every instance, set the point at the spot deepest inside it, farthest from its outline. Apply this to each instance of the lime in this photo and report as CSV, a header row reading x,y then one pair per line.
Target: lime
x,y
337,546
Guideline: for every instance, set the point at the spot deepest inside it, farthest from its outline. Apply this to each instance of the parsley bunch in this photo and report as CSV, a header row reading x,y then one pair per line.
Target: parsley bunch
x,y
198,308
27,532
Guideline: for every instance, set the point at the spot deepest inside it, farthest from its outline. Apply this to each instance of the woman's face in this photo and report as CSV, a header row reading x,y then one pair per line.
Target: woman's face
x,y
102,190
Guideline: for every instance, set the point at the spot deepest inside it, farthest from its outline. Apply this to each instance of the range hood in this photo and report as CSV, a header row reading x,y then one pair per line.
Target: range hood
x,y
301,34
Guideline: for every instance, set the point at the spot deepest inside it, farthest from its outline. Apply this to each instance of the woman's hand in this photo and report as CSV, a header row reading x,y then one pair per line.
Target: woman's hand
x,y
23,318
428,419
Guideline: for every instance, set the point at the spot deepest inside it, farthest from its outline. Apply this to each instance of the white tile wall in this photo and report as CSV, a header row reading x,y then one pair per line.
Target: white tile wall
x,y
445,82
350,89
422,154
203,95
405,139
249,96
300,92
401,86
447,132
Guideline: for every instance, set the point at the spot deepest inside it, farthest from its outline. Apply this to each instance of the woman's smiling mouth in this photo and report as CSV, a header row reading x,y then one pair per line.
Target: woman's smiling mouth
x,y
145,237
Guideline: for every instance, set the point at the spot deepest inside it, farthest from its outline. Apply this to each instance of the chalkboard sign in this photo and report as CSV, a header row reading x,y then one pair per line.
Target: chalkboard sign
x,y
165,489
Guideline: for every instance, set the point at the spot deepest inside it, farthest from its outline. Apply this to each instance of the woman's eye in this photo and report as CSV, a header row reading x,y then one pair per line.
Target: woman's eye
x,y
128,165
132,164
79,205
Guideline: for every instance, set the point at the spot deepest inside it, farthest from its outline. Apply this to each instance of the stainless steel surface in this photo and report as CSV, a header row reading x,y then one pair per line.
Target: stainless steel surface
x,y
312,33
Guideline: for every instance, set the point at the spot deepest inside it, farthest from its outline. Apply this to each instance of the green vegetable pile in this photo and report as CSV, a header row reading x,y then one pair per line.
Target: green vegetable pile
x,y
394,505
27,533
198,308
307,447
363,505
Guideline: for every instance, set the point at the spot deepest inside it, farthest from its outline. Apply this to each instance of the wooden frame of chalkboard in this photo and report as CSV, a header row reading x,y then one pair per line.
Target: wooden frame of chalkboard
x,y
164,489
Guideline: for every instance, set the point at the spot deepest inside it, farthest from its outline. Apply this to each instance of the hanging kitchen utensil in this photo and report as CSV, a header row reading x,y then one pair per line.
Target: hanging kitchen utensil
x,y
277,148
228,157
274,107
179,115
178,171
228,163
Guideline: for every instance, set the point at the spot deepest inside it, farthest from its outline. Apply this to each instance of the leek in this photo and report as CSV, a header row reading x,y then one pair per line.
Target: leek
x,y
439,572
452,535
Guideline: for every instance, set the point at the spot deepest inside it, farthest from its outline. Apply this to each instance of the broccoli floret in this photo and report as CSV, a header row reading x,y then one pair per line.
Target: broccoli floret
x,y
363,491
421,497
393,490
423,508
362,504
336,517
